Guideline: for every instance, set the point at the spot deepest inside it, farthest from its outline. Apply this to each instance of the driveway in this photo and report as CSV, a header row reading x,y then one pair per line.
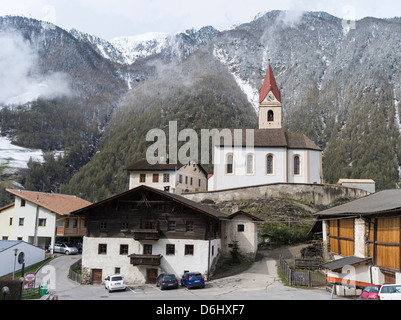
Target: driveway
x,y
260,282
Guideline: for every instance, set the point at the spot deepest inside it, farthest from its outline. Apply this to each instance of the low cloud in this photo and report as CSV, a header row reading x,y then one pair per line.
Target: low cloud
x,y
291,18
20,79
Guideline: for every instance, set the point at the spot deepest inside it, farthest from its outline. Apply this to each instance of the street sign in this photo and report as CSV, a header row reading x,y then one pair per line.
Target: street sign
x,y
30,277
21,258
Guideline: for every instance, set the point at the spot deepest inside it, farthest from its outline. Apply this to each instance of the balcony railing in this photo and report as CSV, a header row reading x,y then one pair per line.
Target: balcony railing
x,y
145,260
146,234
71,232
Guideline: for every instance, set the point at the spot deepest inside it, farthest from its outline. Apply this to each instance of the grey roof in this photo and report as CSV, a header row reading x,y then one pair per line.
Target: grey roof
x,y
7,244
381,202
271,138
144,165
348,261
204,209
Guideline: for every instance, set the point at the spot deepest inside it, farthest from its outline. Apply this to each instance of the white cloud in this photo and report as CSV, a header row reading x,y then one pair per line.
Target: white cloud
x,y
113,18
20,81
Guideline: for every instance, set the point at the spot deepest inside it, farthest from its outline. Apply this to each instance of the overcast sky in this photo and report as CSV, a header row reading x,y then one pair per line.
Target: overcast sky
x,y
113,18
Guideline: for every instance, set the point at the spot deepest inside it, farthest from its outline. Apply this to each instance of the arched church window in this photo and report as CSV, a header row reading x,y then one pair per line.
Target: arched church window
x,y
230,163
297,165
270,116
270,164
250,164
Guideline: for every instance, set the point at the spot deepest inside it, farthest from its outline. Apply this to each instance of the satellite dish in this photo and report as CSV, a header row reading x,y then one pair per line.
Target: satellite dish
x,y
21,258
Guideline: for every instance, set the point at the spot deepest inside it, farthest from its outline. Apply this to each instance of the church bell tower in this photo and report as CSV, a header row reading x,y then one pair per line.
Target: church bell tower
x,y
270,108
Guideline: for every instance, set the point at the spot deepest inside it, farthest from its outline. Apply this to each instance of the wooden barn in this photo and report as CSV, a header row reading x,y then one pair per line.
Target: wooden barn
x,y
369,231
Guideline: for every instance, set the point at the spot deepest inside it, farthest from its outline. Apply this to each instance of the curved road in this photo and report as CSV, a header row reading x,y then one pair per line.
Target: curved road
x,y
260,282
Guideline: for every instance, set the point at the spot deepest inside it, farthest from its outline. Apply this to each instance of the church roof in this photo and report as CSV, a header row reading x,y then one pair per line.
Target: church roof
x,y
269,84
273,138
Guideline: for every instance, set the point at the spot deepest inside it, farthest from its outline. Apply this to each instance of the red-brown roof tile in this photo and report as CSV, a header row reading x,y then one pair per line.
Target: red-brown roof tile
x,y
58,203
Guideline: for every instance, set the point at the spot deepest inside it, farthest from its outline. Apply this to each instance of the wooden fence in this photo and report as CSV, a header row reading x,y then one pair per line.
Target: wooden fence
x,y
72,274
31,293
313,263
296,278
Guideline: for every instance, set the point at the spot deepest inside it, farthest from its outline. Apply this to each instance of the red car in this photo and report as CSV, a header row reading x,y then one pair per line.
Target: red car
x,y
370,293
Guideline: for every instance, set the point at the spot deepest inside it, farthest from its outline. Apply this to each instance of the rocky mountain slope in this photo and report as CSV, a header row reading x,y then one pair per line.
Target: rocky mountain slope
x,y
340,86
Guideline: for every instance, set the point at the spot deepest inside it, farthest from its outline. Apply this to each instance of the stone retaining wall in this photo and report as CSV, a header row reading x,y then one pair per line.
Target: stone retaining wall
x,y
313,193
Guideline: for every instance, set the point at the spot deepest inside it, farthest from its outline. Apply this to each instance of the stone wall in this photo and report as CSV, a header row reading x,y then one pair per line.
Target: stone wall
x,y
316,194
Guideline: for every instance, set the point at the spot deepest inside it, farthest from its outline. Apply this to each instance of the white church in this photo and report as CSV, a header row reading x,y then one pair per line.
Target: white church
x,y
275,157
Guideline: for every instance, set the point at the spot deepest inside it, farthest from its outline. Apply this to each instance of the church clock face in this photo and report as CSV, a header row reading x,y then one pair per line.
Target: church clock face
x,y
270,97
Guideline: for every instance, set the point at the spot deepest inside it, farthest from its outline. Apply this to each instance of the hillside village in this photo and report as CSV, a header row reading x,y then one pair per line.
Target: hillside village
x,y
176,218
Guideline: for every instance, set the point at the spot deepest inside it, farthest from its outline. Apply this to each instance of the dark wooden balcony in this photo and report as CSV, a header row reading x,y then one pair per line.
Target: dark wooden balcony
x,y
146,234
145,260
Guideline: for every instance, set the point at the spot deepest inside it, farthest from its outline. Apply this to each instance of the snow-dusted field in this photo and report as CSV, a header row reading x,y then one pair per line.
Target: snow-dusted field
x,y
16,157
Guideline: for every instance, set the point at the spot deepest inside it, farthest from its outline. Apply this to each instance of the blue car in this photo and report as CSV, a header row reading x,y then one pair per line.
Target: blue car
x,y
192,280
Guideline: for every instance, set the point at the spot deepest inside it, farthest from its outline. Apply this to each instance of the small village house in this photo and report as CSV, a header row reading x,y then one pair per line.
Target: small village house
x,y
11,249
40,218
364,239
175,178
145,231
363,184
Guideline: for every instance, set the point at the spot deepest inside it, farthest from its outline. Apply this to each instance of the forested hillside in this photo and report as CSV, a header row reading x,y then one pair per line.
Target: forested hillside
x,y
209,100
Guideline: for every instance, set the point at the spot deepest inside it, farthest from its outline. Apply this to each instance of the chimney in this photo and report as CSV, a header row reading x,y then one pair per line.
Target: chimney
x,y
235,208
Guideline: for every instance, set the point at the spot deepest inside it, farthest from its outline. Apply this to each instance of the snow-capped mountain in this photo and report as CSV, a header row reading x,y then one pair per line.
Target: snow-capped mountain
x,y
142,46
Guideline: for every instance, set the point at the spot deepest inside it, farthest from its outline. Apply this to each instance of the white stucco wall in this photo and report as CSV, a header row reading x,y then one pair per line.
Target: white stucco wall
x,y
247,240
134,180
5,227
190,171
33,255
359,238
226,181
27,231
176,264
311,167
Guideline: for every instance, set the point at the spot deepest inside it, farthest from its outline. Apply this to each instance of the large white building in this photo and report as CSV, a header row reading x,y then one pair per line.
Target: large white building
x,y
144,232
275,156
40,218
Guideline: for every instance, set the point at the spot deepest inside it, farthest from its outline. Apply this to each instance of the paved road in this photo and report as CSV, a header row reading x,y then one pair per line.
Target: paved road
x,y
261,282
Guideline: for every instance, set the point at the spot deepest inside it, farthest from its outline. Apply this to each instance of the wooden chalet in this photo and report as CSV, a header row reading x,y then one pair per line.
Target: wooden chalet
x,y
368,228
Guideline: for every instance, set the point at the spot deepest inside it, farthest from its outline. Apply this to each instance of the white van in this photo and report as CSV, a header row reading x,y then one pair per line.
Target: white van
x,y
390,292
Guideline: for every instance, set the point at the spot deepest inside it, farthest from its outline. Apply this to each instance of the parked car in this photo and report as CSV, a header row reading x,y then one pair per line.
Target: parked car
x,y
370,293
165,281
114,283
65,248
192,280
77,244
390,292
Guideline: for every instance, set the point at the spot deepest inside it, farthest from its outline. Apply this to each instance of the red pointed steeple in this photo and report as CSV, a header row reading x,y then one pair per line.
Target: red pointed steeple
x,y
269,85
